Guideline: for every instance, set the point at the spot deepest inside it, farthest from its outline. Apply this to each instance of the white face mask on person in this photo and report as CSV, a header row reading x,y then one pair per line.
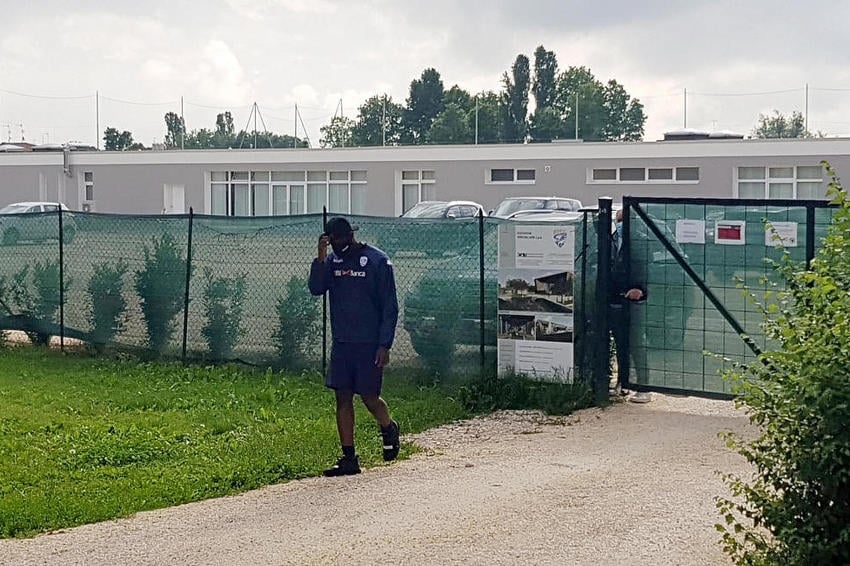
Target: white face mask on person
x,y
620,229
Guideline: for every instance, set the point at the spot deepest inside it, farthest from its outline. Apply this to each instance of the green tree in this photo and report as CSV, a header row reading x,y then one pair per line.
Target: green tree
x,y
338,133
379,120
451,126
489,117
780,126
176,130
424,103
460,97
624,116
795,508
545,76
515,100
546,125
224,136
113,140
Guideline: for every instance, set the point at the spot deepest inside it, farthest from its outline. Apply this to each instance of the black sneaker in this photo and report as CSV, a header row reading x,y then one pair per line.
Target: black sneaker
x,y
345,466
391,442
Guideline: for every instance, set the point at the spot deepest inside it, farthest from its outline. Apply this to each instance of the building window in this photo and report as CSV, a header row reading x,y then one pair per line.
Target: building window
x,y
281,193
800,182
632,174
515,176
88,186
655,175
416,186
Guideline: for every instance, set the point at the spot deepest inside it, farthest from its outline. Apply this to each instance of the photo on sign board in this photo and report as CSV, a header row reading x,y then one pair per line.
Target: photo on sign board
x,y
538,291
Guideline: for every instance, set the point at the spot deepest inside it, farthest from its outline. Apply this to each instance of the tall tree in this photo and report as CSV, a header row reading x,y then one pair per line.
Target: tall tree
x,y
113,140
225,133
451,126
489,118
379,120
579,99
423,105
546,125
624,116
545,76
515,100
459,96
338,133
780,126
176,130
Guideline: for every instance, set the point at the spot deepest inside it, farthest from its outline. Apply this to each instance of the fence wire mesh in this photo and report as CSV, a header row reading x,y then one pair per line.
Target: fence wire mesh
x,y
678,322
126,286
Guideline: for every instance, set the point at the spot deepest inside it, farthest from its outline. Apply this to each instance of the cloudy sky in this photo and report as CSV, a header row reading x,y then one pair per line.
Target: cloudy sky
x,y
735,58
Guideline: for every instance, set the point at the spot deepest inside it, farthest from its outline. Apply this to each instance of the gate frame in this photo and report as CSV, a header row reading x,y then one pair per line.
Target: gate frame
x,y
631,203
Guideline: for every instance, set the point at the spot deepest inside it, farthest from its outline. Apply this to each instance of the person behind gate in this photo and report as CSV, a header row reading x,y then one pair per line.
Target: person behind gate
x,y
360,283
623,294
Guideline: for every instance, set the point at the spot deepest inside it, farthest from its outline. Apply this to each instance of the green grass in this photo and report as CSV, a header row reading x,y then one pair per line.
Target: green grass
x,y
84,440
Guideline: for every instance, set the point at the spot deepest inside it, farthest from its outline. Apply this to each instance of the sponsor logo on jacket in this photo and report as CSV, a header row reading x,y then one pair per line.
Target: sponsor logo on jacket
x,y
348,273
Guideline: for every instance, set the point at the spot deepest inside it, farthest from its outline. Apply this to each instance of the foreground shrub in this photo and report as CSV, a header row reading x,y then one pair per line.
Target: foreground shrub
x,y
33,295
223,299
299,324
491,393
161,285
796,509
108,303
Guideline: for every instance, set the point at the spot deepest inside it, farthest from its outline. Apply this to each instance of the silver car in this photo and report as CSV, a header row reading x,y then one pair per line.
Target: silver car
x,y
35,222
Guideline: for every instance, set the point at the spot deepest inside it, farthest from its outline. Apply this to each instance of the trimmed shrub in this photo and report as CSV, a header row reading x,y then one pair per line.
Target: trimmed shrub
x,y
299,324
161,286
223,300
108,303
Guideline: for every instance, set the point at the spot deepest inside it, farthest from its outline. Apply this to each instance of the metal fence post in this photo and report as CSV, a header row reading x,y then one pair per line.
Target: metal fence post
x,y
324,307
810,235
61,282
602,348
188,281
481,286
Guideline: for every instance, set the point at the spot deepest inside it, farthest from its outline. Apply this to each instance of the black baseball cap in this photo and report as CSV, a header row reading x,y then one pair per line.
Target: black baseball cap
x,y
339,226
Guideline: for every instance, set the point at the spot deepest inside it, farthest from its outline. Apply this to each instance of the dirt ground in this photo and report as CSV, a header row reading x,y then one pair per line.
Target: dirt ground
x,y
631,484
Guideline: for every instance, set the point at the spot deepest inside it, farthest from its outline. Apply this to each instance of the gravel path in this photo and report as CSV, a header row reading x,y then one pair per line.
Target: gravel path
x,y
631,484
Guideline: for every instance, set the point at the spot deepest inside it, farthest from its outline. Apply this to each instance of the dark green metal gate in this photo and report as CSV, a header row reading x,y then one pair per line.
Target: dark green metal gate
x,y
699,314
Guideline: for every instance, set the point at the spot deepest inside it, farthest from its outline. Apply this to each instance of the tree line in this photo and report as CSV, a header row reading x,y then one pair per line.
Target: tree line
x,y
567,104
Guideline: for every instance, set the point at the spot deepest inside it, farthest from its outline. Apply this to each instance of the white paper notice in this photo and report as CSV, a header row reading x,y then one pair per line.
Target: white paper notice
x,y
545,246
784,233
690,231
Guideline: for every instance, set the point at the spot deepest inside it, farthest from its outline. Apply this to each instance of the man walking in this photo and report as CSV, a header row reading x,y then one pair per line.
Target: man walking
x,y
364,311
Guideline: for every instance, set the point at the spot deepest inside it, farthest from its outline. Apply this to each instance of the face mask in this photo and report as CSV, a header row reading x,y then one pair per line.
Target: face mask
x,y
341,251
620,229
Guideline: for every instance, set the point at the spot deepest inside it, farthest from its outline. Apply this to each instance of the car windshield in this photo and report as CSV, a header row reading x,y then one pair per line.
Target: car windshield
x,y
14,209
426,210
508,207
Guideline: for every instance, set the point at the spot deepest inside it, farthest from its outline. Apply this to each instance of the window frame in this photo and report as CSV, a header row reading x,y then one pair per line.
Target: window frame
x,y
515,180
767,180
618,180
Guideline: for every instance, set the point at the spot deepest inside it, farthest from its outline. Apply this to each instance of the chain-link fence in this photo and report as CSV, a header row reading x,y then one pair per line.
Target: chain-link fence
x,y
221,288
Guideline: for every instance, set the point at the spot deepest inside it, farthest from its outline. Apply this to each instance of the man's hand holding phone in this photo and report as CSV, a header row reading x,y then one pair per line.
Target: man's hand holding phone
x,y
324,242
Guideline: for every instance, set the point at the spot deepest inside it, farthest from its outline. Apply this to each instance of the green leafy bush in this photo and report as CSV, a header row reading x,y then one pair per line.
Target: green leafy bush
x,y
299,324
32,297
796,508
223,299
161,286
492,393
108,303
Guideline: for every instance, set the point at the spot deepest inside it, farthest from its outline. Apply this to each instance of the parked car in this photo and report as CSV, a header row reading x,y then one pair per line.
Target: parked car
x,y
458,232
34,222
443,311
513,206
444,209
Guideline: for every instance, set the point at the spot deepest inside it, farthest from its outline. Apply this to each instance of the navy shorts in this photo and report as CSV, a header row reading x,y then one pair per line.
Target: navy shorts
x,y
353,368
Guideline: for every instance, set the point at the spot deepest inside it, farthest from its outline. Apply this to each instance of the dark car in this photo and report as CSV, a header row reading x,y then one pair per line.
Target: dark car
x,y
35,222
458,233
443,310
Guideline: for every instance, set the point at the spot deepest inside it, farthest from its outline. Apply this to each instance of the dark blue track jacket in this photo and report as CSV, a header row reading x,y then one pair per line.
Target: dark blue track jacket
x,y
364,306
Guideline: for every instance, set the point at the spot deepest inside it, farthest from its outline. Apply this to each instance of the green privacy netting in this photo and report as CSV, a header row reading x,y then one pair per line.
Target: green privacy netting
x,y
125,282
678,323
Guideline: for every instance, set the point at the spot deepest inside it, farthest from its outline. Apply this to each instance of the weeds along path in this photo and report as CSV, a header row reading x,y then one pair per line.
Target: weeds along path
x,y
631,484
